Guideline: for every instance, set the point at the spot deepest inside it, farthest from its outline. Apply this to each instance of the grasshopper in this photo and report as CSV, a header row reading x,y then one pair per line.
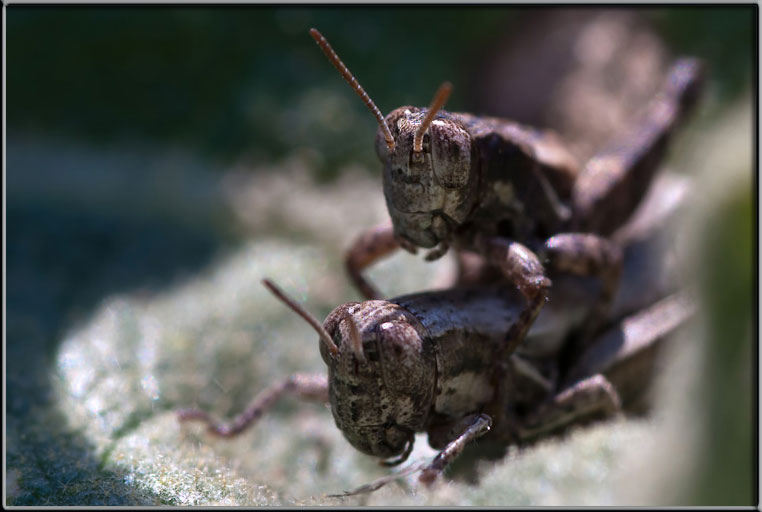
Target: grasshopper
x,y
437,362
512,193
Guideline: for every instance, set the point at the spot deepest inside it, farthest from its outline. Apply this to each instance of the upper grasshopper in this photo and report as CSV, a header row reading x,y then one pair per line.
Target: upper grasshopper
x,y
513,193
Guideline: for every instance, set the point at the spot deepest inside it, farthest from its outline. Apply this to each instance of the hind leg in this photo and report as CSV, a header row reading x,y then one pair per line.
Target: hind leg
x,y
589,399
614,181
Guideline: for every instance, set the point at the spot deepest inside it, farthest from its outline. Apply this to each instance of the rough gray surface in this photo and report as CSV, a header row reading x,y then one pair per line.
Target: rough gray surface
x,y
217,340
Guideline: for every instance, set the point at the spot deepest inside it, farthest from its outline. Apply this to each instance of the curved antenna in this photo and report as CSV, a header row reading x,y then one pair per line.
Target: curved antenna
x,y
353,83
354,335
324,336
437,103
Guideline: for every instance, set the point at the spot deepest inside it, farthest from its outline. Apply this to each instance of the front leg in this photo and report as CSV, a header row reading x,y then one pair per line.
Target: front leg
x,y
468,428
306,387
371,246
475,426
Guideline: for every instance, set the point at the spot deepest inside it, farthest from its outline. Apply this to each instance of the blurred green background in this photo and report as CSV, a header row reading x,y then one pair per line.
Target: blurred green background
x,y
121,123
234,82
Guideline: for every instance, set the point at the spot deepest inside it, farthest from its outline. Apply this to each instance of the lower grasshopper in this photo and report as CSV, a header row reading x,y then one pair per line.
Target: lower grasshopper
x,y
438,362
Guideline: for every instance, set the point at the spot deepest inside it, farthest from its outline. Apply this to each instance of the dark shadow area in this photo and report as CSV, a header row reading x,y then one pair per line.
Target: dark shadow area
x,y
51,465
61,263
231,81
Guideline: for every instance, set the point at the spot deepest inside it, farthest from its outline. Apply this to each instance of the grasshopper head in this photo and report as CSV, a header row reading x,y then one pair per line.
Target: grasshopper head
x,y
381,372
381,381
429,163
430,191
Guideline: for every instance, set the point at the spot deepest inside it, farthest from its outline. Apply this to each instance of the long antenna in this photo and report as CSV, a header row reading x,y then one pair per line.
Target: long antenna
x,y
324,336
353,83
437,103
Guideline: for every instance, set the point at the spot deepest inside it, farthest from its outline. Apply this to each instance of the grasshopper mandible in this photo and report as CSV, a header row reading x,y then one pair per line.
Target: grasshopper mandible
x,y
512,193
436,362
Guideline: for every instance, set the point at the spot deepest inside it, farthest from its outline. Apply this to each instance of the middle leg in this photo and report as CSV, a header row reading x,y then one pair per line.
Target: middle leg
x,y
304,386
520,266
371,246
586,254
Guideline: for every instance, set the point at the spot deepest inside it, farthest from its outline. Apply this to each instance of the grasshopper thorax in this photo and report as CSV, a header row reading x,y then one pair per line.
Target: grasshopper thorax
x,y
381,381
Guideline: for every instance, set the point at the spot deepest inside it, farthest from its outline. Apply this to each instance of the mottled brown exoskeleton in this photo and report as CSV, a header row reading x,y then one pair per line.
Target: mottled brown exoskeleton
x,y
512,193
436,362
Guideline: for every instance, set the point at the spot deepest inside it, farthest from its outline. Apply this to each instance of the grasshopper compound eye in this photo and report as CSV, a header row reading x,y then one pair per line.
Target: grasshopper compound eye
x,y
451,151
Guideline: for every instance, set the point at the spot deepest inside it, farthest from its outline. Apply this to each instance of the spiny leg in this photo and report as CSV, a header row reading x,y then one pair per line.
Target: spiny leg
x,y
479,426
369,247
588,399
303,386
614,181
